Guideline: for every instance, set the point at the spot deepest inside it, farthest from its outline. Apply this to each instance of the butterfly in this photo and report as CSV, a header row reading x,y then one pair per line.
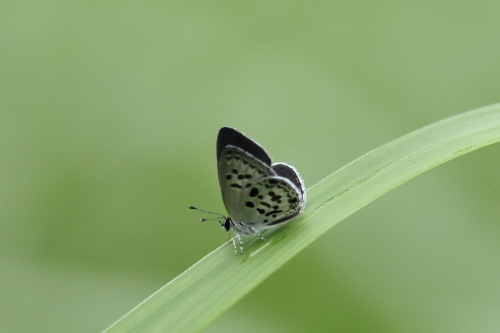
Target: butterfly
x,y
257,193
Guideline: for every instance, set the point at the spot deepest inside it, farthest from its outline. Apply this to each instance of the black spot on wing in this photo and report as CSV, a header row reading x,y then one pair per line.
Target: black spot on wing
x,y
274,212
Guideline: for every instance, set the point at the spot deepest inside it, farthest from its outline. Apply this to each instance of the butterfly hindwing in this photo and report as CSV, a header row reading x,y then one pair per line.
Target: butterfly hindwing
x,y
288,171
271,199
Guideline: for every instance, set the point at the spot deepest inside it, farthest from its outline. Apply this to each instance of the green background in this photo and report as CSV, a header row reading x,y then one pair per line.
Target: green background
x,y
109,113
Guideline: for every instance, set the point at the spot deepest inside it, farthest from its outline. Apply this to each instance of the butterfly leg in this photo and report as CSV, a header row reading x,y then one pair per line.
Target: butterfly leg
x,y
234,244
241,244
258,233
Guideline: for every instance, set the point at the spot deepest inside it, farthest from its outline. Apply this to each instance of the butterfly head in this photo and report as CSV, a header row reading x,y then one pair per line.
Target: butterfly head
x,y
225,221
227,224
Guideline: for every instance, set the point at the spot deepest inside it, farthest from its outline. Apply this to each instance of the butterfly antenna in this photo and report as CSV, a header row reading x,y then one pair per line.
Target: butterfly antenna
x,y
206,211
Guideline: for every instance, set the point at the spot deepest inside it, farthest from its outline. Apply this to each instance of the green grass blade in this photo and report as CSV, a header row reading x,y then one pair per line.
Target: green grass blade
x,y
198,296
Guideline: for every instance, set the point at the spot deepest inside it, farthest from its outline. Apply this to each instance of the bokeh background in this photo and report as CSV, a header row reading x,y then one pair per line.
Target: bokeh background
x,y
109,113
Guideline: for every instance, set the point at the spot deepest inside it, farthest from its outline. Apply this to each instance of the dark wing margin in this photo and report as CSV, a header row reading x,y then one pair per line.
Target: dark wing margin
x,y
286,218
289,172
230,136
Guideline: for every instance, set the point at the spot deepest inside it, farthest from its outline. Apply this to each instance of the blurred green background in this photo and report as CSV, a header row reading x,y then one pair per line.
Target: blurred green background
x,y
109,113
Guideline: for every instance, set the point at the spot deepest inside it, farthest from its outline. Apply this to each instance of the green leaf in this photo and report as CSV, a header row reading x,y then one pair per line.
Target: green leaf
x,y
190,302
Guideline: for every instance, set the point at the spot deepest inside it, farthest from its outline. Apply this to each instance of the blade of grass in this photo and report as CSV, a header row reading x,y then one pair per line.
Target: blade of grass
x,y
199,295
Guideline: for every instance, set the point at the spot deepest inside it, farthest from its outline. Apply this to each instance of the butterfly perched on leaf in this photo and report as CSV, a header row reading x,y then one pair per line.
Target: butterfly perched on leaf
x,y
257,193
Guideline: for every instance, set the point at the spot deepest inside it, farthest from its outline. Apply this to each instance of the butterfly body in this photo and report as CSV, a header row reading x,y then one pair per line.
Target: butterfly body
x,y
257,194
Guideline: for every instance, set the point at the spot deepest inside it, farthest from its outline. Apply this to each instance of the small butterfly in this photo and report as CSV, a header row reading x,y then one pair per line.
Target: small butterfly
x,y
257,194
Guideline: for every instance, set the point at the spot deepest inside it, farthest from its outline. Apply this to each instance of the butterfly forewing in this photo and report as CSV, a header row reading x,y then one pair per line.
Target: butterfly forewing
x,y
231,137
238,171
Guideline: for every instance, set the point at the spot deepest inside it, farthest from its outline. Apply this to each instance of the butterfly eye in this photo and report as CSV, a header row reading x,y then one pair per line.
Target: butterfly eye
x,y
227,224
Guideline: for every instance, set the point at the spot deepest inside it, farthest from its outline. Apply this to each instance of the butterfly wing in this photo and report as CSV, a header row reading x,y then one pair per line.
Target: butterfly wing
x,y
289,172
238,171
230,136
270,201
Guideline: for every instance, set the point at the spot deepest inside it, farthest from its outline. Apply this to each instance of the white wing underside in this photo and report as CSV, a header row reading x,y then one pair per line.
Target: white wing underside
x,y
254,195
